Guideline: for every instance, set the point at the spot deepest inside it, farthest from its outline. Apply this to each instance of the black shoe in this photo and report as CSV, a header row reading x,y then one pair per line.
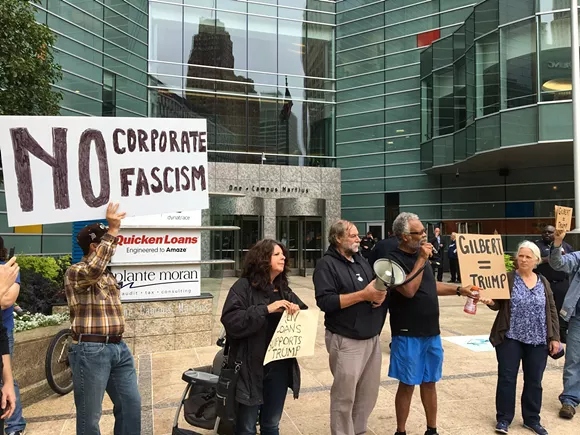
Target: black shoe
x,y
431,432
536,428
401,433
502,426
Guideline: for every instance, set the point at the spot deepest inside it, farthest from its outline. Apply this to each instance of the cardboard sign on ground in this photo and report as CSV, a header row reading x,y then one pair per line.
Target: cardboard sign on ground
x,y
294,337
65,168
563,218
481,263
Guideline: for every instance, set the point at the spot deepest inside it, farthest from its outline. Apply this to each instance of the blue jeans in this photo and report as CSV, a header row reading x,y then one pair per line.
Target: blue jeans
x,y
276,380
571,393
99,367
16,422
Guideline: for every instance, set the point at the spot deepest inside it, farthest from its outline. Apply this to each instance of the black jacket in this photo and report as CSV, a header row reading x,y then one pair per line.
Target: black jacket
x,y
335,275
244,318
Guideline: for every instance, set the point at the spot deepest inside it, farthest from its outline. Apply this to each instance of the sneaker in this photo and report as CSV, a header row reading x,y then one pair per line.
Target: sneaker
x,y
431,432
567,412
502,427
401,433
18,432
536,428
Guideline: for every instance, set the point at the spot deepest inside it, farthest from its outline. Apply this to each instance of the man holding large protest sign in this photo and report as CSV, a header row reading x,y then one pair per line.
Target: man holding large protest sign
x,y
416,352
354,314
100,360
570,312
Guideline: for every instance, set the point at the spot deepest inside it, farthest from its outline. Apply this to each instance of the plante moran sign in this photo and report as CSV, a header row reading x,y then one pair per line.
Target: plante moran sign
x,y
160,281
162,239
64,169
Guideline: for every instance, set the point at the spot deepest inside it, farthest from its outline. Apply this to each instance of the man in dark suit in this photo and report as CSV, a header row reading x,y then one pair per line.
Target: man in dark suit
x,y
437,258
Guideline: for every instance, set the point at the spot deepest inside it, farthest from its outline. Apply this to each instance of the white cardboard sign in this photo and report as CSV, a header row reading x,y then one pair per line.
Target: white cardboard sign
x,y
63,169
163,281
157,245
295,336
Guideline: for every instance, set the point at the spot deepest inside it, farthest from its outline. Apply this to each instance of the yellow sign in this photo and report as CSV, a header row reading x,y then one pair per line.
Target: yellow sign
x,y
563,218
294,337
481,263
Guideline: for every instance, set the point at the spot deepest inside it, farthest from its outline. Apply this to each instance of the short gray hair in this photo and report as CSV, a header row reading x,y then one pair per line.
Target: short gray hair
x,y
401,223
338,230
532,247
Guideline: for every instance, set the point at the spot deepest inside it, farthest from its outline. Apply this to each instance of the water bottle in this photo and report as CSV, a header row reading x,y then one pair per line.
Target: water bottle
x,y
471,304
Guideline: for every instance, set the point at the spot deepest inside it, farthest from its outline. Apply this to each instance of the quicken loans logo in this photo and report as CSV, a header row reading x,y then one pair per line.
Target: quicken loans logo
x,y
147,240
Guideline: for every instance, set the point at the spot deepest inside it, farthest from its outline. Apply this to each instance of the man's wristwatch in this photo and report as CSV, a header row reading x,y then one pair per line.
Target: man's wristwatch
x,y
458,290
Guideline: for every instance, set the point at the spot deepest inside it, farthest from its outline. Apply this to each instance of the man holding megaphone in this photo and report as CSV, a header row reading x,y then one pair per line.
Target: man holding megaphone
x,y
416,352
354,315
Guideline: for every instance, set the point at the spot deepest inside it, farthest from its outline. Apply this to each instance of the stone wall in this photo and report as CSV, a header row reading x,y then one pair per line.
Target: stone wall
x,y
272,182
30,349
159,326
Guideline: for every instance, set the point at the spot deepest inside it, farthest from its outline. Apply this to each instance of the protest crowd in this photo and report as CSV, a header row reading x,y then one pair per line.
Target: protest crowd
x,y
537,316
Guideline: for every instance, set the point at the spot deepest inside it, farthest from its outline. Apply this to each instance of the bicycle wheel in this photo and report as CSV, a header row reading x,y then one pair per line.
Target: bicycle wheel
x,y
58,371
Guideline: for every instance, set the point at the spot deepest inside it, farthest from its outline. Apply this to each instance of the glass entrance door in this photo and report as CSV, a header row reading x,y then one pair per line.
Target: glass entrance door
x,y
233,245
302,236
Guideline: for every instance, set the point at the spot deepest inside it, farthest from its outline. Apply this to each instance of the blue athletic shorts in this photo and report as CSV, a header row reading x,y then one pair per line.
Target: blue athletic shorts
x,y
415,360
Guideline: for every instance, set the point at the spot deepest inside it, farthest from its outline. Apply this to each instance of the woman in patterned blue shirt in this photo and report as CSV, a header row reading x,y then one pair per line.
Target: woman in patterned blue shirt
x,y
526,329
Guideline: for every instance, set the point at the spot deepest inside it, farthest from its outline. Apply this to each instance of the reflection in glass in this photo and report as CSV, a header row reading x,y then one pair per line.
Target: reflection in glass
x,y
487,74
555,56
443,114
261,81
519,60
427,108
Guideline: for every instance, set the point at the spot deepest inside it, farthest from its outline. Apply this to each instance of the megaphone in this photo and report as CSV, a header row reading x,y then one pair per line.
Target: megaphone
x,y
389,274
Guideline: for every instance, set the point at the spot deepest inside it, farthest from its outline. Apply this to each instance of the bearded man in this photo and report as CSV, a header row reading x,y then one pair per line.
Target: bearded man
x,y
354,315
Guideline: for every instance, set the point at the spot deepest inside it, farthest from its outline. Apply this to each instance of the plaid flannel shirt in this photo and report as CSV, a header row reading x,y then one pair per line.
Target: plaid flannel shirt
x,y
93,293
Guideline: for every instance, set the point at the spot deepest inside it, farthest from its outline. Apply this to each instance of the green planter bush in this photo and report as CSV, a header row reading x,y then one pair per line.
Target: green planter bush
x,y
41,282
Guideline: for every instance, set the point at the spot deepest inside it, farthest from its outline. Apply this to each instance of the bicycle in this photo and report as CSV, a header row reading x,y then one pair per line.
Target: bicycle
x,y
57,367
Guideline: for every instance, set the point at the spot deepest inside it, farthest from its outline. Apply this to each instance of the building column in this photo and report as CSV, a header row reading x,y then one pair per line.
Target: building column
x,y
270,218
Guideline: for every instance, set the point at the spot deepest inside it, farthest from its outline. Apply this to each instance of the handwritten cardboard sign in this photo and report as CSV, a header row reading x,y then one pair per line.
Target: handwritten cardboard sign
x,y
62,169
481,263
563,218
294,337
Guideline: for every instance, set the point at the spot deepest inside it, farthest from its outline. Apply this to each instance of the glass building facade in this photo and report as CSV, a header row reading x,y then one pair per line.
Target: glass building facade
x,y
260,71
456,111
102,48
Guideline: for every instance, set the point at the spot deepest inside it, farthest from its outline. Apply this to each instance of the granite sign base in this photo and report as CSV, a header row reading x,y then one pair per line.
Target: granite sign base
x,y
161,326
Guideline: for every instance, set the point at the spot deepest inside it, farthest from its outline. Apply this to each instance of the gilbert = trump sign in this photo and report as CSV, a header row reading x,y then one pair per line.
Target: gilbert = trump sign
x,y
63,169
481,263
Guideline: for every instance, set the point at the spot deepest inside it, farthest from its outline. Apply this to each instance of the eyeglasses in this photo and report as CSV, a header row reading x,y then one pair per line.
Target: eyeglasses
x,y
418,233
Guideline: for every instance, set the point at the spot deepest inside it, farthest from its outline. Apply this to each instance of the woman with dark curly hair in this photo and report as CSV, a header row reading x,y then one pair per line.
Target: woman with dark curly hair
x,y
251,313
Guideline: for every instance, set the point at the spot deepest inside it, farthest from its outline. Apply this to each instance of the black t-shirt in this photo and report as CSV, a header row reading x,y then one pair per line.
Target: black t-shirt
x,y
273,318
417,316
